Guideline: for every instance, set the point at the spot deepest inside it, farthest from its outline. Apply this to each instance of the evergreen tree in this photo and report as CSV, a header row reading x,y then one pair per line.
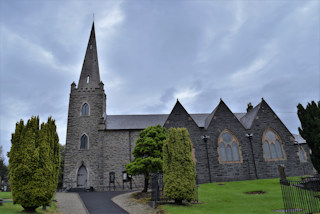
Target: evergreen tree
x,y
148,153
60,180
34,162
3,168
310,130
178,166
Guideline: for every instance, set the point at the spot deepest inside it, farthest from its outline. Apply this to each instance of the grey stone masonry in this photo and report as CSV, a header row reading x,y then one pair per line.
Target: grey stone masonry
x,y
79,125
109,140
253,163
90,92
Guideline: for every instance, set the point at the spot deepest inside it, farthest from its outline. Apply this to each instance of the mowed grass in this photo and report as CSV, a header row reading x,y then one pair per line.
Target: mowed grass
x,y
232,198
9,207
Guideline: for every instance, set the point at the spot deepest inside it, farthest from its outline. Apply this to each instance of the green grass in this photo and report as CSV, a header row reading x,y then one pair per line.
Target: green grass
x,y
5,195
231,198
9,207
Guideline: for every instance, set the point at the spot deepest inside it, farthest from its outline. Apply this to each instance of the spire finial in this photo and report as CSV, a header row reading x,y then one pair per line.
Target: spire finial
x,y
93,17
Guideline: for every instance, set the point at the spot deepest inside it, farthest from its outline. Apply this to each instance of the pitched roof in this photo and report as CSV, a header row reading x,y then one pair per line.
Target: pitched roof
x,y
210,116
298,139
123,122
248,118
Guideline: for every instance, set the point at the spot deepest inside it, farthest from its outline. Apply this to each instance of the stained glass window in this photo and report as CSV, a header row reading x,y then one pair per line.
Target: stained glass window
x,y
228,147
273,151
272,145
279,150
235,151
222,152
227,137
267,150
229,153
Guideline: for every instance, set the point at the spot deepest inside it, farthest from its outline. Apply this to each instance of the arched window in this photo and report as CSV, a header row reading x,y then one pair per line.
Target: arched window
x,y
228,148
302,155
88,79
272,146
84,142
85,109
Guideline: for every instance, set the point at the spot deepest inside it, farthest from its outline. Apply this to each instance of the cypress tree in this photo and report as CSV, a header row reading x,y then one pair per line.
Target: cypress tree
x,y
310,130
34,162
178,166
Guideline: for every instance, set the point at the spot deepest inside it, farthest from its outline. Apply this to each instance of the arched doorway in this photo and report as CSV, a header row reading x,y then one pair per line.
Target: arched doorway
x,y
82,177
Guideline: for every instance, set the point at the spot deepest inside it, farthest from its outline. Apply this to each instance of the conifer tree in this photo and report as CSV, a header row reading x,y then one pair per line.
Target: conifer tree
x,y
148,153
34,162
178,166
310,130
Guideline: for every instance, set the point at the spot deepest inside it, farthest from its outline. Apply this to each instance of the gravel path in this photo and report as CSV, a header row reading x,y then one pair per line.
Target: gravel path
x,y
127,203
70,203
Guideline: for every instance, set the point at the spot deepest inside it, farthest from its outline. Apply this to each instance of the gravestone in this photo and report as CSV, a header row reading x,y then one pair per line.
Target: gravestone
x,y
283,176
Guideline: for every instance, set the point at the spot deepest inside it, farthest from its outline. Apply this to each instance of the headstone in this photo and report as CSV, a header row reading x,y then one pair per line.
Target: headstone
x,y
283,176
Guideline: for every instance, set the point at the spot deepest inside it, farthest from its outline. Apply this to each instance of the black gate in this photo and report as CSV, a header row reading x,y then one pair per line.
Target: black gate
x,y
301,195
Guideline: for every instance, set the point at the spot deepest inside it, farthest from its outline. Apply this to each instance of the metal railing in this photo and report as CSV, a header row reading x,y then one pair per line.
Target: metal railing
x,y
301,195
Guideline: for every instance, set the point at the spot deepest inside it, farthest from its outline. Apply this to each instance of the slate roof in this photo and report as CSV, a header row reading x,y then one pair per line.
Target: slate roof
x,y
123,122
248,118
209,118
298,139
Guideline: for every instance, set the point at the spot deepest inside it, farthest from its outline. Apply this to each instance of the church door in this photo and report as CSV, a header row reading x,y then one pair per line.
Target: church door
x,y
82,177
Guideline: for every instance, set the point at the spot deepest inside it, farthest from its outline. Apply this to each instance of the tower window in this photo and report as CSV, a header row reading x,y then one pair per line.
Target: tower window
x,y
85,109
84,142
272,146
228,148
88,79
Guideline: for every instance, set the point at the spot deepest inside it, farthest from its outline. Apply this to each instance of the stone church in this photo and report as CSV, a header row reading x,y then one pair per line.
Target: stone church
x,y
228,146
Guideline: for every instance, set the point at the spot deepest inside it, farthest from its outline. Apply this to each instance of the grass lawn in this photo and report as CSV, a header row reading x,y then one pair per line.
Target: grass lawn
x,y
9,207
231,198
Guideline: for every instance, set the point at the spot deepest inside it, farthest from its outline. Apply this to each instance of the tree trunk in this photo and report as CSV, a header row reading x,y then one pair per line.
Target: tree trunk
x,y
146,182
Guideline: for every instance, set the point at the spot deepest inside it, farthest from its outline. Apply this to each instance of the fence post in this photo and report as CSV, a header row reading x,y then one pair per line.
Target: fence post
x,y
155,193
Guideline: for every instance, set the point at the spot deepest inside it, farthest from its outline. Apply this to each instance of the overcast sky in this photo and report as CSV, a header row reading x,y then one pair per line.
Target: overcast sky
x,y
153,52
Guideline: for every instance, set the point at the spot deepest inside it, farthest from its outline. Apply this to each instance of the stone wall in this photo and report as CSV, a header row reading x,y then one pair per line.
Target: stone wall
x,y
252,161
79,125
118,148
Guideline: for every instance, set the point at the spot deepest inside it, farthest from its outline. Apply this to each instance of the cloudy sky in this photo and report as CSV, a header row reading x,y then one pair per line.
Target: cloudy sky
x,y
153,52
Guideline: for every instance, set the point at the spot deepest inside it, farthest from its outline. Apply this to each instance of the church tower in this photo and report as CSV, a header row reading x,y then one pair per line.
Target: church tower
x,y
87,105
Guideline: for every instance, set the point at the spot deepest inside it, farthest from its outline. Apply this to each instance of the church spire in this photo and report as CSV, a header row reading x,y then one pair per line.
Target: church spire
x,y
90,76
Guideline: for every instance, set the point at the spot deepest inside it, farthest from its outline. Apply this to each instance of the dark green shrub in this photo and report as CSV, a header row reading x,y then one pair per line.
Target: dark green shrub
x,y
178,166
